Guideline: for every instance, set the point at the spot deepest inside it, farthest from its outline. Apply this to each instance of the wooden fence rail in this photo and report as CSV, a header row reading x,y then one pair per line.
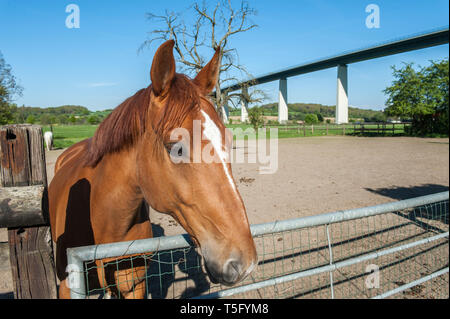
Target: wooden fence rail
x,y
381,128
351,128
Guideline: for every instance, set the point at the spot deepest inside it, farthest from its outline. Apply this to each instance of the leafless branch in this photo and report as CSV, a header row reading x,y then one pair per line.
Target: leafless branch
x,y
210,28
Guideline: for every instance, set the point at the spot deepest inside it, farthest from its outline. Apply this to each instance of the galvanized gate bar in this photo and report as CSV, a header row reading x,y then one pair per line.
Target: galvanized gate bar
x,y
344,215
330,251
412,284
124,248
318,270
77,256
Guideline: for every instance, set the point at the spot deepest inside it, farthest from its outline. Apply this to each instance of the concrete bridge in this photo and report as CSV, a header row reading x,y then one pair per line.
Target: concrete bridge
x,y
341,61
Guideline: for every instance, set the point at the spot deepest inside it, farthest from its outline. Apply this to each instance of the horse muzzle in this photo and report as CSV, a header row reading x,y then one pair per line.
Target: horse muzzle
x,y
230,273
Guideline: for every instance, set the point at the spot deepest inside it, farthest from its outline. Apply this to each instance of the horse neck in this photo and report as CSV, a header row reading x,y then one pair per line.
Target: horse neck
x,y
120,168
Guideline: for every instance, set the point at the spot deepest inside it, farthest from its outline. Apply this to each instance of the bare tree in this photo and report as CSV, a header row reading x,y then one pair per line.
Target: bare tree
x,y
212,27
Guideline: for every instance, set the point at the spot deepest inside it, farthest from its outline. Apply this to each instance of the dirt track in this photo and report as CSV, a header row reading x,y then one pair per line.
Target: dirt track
x,y
317,175
324,174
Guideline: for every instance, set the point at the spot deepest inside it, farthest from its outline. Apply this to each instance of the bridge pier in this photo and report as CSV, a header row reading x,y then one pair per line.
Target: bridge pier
x,y
244,105
282,101
342,95
225,113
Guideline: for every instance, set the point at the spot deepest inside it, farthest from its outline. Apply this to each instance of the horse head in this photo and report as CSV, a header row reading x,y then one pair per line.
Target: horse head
x,y
190,178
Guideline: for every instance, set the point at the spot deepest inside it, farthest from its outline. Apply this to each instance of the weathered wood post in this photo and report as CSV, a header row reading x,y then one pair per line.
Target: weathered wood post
x,y
24,210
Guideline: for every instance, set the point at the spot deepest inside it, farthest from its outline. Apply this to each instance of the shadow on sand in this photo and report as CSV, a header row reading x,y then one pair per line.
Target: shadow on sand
x,y
401,193
435,211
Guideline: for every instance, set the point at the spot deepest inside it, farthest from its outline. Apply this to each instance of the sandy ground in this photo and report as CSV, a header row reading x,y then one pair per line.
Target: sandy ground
x,y
317,175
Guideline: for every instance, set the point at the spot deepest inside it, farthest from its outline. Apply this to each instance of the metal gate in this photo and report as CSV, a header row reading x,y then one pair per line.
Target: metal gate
x,y
398,249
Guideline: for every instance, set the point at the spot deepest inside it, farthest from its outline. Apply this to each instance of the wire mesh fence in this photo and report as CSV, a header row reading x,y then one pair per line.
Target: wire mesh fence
x,y
347,257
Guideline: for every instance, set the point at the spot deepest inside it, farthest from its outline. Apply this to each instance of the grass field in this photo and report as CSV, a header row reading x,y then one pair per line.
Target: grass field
x,y
67,135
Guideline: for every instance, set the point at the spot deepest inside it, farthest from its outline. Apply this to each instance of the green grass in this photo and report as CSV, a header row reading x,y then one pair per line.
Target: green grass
x,y
291,131
67,135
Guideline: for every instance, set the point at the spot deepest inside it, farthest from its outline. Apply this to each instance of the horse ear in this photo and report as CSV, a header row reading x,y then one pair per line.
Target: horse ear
x,y
206,79
163,68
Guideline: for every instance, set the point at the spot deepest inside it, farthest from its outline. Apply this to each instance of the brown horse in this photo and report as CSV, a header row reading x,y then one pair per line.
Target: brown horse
x,y
101,184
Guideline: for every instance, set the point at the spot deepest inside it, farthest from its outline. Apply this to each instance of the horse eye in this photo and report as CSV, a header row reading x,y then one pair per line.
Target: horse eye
x,y
169,147
178,148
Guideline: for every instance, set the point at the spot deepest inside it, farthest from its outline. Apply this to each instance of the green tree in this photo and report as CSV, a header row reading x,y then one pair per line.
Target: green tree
x,y
311,119
31,119
44,119
62,119
93,119
319,117
52,119
6,112
72,119
8,89
421,95
255,117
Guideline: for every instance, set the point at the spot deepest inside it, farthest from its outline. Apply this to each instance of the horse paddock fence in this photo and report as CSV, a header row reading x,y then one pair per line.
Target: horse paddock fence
x,y
393,250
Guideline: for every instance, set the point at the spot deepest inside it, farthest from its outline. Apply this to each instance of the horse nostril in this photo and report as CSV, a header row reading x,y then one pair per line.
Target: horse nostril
x,y
232,271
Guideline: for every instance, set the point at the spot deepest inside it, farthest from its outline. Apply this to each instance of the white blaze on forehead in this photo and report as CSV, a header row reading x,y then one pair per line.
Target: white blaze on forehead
x,y
212,133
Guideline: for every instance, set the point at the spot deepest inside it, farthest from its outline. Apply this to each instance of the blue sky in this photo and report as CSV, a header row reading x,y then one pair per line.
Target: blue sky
x,y
98,65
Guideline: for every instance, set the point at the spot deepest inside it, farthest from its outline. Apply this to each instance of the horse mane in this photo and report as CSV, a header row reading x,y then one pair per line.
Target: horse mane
x,y
123,126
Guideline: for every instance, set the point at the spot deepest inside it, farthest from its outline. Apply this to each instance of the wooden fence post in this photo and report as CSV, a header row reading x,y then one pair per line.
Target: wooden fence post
x,y
30,245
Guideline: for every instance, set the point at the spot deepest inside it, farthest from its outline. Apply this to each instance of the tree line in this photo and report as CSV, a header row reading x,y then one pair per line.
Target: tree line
x,y
312,113
65,114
